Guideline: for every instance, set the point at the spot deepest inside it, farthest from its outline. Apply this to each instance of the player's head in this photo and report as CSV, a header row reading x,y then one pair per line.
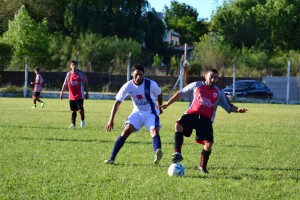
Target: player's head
x,y
73,64
37,70
211,77
137,73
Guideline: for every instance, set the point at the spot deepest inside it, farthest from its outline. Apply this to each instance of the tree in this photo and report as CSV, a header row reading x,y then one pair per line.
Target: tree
x,y
153,32
212,52
269,24
38,10
184,19
27,39
99,53
108,18
157,60
5,55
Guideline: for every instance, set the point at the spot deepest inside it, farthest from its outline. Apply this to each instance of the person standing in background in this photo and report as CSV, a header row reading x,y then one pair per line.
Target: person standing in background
x,y
77,83
37,88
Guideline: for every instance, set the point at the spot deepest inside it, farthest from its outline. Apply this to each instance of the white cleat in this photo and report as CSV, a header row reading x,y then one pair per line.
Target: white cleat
x,y
82,124
158,155
109,161
72,126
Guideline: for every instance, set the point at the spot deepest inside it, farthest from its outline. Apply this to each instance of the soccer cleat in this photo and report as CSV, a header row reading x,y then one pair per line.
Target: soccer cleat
x,y
202,170
82,124
177,157
42,105
34,106
72,126
109,161
158,155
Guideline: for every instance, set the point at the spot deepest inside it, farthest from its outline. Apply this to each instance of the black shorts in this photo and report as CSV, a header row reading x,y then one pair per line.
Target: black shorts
x,y
76,105
36,94
202,125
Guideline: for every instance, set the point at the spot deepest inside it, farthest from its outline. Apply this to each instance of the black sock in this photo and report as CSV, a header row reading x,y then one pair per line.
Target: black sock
x,y
178,141
81,112
204,158
73,119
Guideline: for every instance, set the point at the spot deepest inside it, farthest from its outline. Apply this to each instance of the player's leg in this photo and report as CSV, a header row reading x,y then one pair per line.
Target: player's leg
x,y
183,127
206,151
178,141
37,97
129,128
132,124
153,124
81,112
34,100
73,108
204,135
156,142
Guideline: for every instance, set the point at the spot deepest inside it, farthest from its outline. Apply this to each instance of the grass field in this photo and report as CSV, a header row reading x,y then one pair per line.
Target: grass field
x,y
255,155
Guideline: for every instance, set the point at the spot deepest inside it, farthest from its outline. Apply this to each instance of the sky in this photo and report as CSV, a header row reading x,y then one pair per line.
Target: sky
x,y
203,7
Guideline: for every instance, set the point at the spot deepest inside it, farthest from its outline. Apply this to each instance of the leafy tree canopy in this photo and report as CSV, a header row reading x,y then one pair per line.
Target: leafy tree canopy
x,y
27,38
184,19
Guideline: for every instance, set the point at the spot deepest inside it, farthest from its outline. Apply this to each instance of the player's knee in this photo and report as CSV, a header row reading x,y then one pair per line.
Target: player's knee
x,y
178,128
208,146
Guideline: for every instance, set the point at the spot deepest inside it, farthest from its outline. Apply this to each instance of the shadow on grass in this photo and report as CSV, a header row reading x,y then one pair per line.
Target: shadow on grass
x,y
255,173
77,140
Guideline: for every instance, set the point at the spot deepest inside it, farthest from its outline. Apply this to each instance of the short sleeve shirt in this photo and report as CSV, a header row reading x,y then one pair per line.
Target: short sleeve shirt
x,y
205,99
38,83
137,93
75,82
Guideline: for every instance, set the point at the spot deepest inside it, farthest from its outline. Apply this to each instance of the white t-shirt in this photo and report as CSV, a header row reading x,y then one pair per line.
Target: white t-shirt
x,y
138,95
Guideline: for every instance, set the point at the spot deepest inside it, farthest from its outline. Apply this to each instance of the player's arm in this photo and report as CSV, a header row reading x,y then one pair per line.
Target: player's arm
x,y
237,109
86,88
62,91
110,123
174,98
159,102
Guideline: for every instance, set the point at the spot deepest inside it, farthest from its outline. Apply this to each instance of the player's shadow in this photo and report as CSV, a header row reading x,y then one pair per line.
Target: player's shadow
x,y
253,173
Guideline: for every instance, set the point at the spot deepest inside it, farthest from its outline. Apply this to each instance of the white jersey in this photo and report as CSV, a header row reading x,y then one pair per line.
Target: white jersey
x,y
143,96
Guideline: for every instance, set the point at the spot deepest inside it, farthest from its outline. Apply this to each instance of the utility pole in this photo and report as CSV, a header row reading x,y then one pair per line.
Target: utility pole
x,y
26,78
128,66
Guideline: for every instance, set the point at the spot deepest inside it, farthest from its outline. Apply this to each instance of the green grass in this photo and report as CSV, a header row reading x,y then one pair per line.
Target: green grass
x,y
255,155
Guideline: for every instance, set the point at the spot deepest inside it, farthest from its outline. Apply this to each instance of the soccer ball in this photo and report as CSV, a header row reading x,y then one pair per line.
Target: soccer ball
x,y
176,169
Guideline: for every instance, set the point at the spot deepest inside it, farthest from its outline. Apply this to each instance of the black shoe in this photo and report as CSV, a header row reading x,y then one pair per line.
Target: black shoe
x,y
202,170
177,157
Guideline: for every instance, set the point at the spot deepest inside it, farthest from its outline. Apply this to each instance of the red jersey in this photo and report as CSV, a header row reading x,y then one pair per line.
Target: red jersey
x,y
75,82
205,99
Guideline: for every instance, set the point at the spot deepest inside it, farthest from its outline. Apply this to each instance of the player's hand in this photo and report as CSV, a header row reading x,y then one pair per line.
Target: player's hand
x,y
160,111
109,126
164,106
86,95
61,96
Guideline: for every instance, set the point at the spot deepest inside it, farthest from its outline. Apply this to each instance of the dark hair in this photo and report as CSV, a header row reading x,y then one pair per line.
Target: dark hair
x,y
137,67
213,71
74,62
37,69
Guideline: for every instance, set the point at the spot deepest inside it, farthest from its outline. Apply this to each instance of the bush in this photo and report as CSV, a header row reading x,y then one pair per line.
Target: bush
x,y
13,89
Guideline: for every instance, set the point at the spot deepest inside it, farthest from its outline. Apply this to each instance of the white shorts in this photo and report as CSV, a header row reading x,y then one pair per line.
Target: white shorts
x,y
138,120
